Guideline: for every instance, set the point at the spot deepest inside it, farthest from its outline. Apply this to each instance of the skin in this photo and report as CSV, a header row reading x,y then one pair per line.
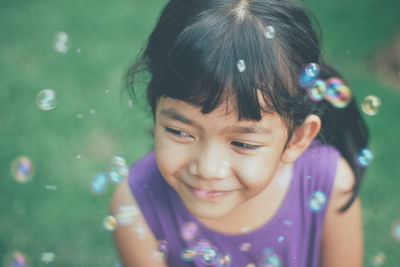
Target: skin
x,y
218,153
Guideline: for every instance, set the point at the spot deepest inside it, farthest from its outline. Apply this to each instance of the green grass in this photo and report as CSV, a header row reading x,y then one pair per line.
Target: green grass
x,y
68,221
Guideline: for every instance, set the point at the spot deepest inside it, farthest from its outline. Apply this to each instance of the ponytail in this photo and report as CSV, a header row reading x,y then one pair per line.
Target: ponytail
x,y
346,130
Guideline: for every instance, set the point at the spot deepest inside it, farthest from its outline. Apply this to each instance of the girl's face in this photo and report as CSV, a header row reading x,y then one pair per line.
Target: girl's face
x,y
213,161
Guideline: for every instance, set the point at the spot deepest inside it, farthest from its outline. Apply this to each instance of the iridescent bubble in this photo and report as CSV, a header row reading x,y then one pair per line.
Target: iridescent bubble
x,y
270,259
309,75
281,239
46,99
371,105
241,66
47,257
140,231
127,214
61,43
337,93
110,223
270,32
208,253
379,259
22,169
287,222
317,90
17,259
119,169
245,229
189,231
396,230
163,246
224,260
245,246
317,201
188,254
99,183
365,157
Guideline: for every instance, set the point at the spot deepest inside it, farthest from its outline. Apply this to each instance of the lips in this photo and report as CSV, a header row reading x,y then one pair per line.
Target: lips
x,y
205,194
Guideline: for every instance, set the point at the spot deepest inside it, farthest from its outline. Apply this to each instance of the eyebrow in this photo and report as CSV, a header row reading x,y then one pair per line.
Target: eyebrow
x,y
175,115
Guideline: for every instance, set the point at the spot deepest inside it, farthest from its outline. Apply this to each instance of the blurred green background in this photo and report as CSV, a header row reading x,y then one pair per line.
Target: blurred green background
x,y
56,211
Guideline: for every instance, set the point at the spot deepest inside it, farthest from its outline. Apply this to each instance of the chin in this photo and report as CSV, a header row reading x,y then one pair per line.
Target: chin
x,y
211,211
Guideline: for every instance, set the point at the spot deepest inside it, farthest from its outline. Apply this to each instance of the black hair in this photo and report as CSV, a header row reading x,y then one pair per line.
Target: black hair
x,y
192,55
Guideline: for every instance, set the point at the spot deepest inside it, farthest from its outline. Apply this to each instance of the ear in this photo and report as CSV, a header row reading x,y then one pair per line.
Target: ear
x,y
301,138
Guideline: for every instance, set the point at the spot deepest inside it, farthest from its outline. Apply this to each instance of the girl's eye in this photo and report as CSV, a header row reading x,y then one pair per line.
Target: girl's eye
x,y
178,133
245,146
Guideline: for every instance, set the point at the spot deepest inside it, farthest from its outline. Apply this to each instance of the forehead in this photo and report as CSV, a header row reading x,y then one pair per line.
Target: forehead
x,y
224,115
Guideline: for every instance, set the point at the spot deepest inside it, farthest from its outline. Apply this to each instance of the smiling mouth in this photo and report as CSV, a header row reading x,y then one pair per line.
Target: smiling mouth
x,y
203,194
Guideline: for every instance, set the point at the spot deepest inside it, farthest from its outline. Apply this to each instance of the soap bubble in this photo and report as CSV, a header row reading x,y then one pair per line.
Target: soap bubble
x,y
208,253
110,223
365,157
189,231
371,105
270,259
241,66
337,93
378,259
47,257
46,99
163,246
309,75
317,201
22,169
16,259
119,170
61,43
245,246
188,254
317,90
270,32
281,239
396,230
224,260
99,183
127,214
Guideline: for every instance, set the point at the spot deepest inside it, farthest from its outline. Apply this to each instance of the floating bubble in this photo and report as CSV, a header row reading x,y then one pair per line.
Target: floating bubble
x,y
309,75
337,93
245,246
365,157
119,169
17,259
127,214
287,222
241,66
317,90
270,259
250,265
188,254
46,99
110,223
189,231
270,32
163,247
22,169
317,201
140,231
378,259
158,256
208,253
245,229
224,260
99,183
47,257
371,105
61,43
396,230
281,239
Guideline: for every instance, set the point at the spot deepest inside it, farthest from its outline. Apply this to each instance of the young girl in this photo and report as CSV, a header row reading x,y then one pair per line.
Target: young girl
x,y
254,161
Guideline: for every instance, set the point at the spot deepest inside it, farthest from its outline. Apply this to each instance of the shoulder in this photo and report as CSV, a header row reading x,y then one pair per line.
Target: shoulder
x,y
342,238
135,242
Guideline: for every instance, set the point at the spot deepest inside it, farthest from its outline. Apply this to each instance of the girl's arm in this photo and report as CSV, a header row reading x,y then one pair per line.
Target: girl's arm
x,y
134,251
342,238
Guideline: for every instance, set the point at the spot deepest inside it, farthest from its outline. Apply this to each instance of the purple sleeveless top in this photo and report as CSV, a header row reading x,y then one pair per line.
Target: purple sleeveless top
x,y
291,238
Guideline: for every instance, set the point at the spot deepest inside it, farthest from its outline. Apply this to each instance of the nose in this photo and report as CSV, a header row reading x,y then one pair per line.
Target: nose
x,y
210,163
